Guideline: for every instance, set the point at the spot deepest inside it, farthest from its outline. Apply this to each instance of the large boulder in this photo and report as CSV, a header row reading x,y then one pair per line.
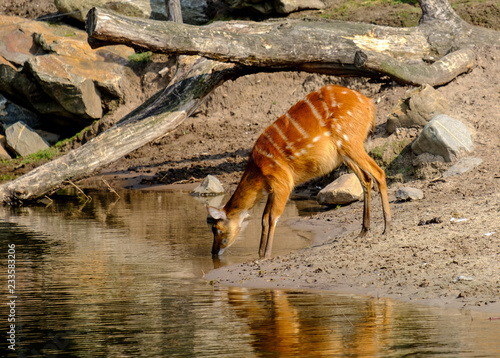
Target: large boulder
x,y
444,136
58,77
52,70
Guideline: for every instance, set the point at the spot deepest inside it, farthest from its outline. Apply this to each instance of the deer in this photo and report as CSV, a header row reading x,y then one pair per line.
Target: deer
x,y
315,136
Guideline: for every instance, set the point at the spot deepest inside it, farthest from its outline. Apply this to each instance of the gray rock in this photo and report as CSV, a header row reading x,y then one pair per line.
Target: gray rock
x,y
195,12
342,191
427,158
11,113
408,193
149,9
209,187
416,108
23,140
49,137
462,166
444,136
267,7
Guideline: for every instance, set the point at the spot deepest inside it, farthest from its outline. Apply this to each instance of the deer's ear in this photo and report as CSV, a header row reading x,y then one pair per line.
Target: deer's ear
x,y
215,213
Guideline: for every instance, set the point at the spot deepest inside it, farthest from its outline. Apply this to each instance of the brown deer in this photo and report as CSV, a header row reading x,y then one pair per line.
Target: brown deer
x,y
314,137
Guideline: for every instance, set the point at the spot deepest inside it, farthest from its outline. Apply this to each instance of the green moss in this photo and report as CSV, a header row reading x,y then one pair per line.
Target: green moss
x,y
142,57
42,155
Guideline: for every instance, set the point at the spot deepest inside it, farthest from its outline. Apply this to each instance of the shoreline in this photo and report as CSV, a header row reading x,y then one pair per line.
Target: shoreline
x,y
415,264
346,264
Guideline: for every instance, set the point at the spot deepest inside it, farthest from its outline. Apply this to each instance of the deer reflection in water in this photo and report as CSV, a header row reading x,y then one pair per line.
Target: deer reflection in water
x,y
281,328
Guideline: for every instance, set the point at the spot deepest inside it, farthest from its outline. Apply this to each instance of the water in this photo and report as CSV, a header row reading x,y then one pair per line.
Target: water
x,y
124,278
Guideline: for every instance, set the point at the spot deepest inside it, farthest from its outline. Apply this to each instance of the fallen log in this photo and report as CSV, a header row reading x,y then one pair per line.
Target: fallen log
x,y
435,52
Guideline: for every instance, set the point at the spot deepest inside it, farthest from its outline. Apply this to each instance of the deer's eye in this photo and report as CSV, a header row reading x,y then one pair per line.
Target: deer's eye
x,y
216,231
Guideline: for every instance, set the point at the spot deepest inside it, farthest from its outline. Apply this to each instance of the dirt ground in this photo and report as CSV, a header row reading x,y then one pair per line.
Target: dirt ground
x,y
452,263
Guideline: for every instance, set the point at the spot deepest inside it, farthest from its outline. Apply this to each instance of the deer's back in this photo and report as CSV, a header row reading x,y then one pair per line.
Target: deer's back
x,y
314,135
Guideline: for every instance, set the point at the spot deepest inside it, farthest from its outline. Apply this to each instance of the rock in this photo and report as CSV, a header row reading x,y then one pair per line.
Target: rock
x,y
76,94
49,137
210,186
416,108
288,6
444,136
149,9
198,12
407,193
462,166
195,12
23,140
427,158
267,7
342,191
3,151
11,113
52,70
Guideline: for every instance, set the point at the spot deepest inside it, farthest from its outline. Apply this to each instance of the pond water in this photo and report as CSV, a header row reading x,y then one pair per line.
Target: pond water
x,y
124,278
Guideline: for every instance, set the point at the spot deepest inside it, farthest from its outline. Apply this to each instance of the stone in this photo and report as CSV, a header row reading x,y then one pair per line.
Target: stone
x,y
11,113
268,7
197,12
76,94
416,108
149,9
427,158
52,70
444,136
408,193
3,151
345,190
210,186
463,165
23,140
51,138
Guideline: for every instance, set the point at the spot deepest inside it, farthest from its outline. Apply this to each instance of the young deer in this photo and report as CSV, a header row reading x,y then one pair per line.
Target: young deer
x,y
313,138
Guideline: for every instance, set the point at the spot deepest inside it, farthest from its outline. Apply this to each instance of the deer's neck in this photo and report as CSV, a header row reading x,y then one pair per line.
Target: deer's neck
x,y
250,189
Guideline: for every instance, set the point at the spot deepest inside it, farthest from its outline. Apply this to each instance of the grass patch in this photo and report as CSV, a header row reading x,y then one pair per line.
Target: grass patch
x,y
141,57
40,156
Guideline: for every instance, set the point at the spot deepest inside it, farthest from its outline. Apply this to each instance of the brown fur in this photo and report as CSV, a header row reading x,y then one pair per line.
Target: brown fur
x,y
313,138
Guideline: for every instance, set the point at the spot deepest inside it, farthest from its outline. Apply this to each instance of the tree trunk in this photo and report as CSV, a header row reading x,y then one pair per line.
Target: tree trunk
x,y
330,47
440,48
174,10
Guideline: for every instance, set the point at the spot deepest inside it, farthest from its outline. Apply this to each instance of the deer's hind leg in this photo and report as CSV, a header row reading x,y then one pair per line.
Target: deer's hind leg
x,y
366,182
366,168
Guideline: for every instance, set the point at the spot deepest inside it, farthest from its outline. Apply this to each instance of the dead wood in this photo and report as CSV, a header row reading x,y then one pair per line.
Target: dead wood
x,y
435,52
